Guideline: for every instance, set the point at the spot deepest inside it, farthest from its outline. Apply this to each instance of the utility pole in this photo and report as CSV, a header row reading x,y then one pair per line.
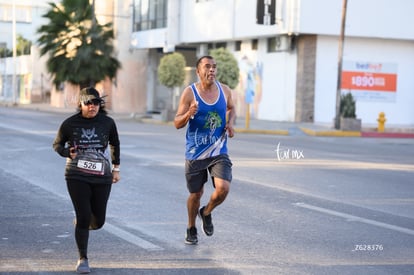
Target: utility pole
x,y
14,91
92,83
340,55
93,13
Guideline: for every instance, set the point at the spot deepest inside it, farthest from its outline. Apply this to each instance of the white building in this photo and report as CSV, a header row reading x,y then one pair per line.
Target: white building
x,y
29,80
32,81
294,63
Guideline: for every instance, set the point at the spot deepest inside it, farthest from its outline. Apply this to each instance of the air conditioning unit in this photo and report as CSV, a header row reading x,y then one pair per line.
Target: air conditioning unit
x,y
168,49
282,43
202,50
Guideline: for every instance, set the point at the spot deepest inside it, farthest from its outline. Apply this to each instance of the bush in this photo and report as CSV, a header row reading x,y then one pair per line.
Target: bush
x,y
347,106
228,68
171,70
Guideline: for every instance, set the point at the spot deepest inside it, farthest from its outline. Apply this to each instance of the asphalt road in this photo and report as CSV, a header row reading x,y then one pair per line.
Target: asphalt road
x,y
297,205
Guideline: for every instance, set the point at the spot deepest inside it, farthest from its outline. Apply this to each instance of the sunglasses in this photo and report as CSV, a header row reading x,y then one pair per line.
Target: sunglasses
x,y
95,102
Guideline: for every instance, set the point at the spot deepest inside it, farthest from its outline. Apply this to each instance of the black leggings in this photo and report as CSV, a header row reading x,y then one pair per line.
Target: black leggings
x,y
89,202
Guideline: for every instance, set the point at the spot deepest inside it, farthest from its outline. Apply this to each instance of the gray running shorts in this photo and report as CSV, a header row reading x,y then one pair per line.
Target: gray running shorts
x,y
196,171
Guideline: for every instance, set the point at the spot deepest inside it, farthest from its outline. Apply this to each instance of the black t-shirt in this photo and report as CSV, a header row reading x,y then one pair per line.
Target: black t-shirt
x,y
97,145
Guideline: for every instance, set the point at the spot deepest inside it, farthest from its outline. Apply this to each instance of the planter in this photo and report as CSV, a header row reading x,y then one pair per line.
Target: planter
x,y
350,124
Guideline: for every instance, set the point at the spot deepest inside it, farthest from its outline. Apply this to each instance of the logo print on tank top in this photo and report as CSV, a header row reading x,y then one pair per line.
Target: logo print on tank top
x,y
213,121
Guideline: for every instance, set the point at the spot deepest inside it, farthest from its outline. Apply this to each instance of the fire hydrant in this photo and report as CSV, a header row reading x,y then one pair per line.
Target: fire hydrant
x,y
381,122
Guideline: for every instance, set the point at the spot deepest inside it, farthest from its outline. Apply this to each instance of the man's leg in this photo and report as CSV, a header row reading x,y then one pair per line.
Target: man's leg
x,y
193,204
221,174
196,176
217,197
222,188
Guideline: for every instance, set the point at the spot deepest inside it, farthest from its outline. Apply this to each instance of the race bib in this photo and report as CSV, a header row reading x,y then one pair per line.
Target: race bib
x,y
91,166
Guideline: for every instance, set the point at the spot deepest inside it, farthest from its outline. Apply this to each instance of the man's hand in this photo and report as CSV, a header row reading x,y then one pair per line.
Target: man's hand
x,y
193,109
230,130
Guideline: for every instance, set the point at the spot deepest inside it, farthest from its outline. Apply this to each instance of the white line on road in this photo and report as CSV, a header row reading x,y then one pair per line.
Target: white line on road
x,y
26,131
131,238
355,218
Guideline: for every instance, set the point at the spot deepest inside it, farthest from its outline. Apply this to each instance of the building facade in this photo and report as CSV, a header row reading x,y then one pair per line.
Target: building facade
x,y
30,83
293,63
33,83
287,52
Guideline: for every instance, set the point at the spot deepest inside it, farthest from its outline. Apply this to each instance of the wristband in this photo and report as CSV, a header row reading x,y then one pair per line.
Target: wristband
x,y
115,169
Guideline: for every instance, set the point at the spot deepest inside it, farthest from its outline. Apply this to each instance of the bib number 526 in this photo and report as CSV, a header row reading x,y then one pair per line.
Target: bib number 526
x,y
91,166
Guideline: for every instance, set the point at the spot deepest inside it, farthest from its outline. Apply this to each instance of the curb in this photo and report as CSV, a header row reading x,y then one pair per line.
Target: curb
x,y
356,134
266,132
154,121
387,135
331,133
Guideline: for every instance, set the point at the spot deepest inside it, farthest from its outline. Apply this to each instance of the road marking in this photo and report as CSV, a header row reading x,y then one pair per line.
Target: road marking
x,y
40,148
355,218
46,133
324,163
131,238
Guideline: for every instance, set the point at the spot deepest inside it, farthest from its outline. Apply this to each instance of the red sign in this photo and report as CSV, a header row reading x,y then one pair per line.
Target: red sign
x,y
369,81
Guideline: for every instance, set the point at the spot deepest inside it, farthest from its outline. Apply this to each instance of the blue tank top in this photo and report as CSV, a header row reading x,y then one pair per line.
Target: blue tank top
x,y
206,136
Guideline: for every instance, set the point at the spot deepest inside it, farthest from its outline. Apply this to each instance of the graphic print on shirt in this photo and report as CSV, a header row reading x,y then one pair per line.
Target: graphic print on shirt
x,y
213,121
88,133
90,159
214,143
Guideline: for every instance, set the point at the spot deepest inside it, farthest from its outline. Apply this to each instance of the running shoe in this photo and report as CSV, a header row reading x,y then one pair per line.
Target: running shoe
x,y
191,237
83,266
208,227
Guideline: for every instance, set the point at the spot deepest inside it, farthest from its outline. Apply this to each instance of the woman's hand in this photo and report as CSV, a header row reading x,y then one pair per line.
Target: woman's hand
x,y
72,152
115,176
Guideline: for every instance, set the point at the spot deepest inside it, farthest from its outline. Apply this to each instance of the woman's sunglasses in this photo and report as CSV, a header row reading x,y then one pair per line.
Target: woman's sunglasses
x,y
95,102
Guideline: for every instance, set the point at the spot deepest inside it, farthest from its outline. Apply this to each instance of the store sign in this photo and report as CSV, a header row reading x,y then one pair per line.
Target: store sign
x,y
370,81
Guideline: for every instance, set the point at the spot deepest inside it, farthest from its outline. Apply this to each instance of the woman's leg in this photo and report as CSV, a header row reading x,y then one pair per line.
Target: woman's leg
x,y
80,194
99,201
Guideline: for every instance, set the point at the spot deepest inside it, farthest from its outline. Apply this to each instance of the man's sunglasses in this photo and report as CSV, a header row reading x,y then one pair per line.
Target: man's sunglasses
x,y
95,102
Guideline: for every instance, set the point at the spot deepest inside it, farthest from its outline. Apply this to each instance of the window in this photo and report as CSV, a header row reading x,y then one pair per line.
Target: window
x,y
23,13
272,44
150,14
217,45
279,44
221,45
254,44
237,46
265,12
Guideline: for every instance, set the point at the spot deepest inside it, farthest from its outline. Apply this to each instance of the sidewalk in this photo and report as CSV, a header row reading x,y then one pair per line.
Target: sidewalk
x,y
259,126
315,129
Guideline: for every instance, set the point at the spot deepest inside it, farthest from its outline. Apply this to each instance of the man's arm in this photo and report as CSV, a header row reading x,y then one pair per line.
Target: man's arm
x,y
231,111
186,108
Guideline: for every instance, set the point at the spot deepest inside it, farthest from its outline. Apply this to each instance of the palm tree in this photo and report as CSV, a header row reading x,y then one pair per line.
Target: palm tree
x,y
80,50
